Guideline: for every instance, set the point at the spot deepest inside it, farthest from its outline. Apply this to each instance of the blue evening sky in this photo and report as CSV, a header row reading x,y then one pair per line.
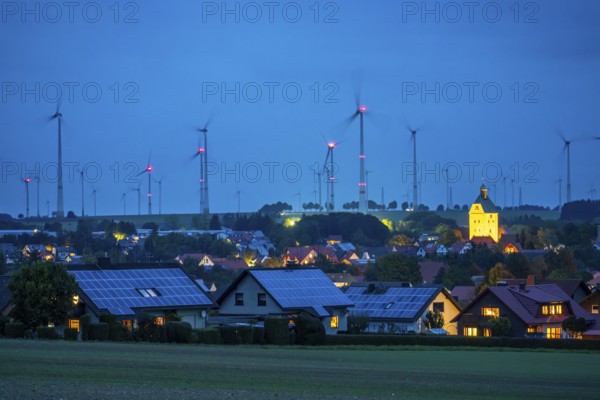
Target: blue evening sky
x,y
162,68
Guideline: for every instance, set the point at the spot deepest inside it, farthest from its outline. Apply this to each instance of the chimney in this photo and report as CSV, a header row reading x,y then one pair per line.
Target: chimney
x,y
531,280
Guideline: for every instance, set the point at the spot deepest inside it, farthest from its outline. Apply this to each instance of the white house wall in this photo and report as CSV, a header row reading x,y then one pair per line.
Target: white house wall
x,y
251,289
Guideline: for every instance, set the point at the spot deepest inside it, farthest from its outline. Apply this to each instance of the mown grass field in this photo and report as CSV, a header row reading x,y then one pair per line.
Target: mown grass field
x,y
81,370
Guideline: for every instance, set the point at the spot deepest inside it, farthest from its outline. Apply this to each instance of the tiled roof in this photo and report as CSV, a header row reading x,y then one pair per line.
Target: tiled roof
x,y
429,270
464,293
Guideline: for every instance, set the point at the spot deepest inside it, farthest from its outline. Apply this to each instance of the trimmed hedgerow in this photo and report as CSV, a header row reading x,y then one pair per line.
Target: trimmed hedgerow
x,y
412,340
179,332
229,335
99,331
84,324
208,336
116,330
258,335
277,330
245,333
309,330
14,330
46,332
70,334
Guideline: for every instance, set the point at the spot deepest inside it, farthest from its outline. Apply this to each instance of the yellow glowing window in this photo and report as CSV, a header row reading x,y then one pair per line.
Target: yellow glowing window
x,y
470,331
159,320
334,322
553,333
127,324
595,309
552,309
487,332
490,312
75,299
74,323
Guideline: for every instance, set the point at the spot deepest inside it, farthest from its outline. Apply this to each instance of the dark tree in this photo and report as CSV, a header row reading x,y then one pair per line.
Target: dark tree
x,y
393,205
434,320
394,267
215,223
42,293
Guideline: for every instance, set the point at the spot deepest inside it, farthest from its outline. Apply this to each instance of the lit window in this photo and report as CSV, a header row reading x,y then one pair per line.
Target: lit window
x,y
159,320
75,299
487,332
334,322
438,307
595,309
552,309
262,299
74,323
490,312
470,331
239,299
553,333
127,324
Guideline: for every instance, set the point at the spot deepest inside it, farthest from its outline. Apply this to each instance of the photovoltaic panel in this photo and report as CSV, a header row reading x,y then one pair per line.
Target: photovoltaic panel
x,y
394,303
302,288
117,290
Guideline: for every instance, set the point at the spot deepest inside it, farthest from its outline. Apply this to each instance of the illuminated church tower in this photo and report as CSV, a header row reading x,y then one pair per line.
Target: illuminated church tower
x,y
483,217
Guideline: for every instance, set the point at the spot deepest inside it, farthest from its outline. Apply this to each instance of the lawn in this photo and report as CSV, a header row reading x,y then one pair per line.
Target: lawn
x,y
75,370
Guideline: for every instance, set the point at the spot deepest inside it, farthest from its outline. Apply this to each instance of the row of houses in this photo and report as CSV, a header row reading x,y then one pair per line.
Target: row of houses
x,y
535,310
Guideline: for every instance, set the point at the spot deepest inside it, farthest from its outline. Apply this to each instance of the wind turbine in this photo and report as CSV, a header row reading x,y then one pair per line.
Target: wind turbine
x,y
299,195
60,208
94,197
26,181
329,172
413,133
148,170
37,183
124,198
559,181
362,185
139,196
82,196
203,152
567,148
239,199
367,172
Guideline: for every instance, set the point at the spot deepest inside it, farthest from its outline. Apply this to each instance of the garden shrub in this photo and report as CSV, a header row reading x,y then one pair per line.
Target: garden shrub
x,y
46,332
148,331
70,334
14,330
99,331
277,330
179,332
3,321
116,330
309,330
246,334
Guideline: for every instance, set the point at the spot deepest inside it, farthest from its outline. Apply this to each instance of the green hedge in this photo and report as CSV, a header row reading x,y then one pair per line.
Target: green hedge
x,y
116,330
413,340
14,330
230,335
208,336
99,331
70,334
179,332
277,330
258,335
246,334
309,330
46,332
84,325
3,321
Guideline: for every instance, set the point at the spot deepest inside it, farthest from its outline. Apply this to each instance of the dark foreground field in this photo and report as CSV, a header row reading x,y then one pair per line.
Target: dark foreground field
x,y
76,370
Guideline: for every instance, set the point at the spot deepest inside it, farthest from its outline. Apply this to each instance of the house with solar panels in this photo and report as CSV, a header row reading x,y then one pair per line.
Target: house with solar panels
x,y
260,293
128,293
396,307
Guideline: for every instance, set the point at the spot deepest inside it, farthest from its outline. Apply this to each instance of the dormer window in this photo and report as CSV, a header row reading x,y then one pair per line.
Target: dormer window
x,y
552,309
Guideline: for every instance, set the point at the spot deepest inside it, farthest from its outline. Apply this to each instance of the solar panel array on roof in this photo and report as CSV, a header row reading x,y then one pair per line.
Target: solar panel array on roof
x,y
118,291
395,303
302,288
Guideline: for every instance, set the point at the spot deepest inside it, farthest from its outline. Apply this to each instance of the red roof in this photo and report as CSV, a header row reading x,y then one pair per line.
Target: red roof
x,y
298,253
327,252
235,264
430,269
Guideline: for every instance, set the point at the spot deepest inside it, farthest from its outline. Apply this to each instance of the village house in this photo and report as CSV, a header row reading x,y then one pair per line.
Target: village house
x,y
259,293
536,311
396,307
127,293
